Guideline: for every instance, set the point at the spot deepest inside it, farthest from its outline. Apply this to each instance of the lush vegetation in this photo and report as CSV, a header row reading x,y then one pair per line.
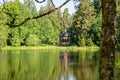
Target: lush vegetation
x,y
35,32
51,47
117,63
84,26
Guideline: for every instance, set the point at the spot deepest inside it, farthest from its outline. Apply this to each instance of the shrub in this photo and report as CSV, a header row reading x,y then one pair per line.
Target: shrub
x,y
32,40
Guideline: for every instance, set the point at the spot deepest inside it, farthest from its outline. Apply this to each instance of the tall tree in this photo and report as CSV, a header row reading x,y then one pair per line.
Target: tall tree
x,y
83,20
13,16
53,25
31,6
118,23
96,30
97,6
108,41
65,17
3,30
13,37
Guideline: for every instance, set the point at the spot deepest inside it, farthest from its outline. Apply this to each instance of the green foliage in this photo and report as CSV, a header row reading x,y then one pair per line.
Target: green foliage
x,y
3,36
117,65
17,36
46,32
13,37
118,22
32,40
97,6
15,41
66,19
96,30
31,7
18,12
89,42
83,42
85,30
3,30
83,20
23,34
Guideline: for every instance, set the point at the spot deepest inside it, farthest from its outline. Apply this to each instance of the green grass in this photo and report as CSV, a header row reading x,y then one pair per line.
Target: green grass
x,y
49,47
117,65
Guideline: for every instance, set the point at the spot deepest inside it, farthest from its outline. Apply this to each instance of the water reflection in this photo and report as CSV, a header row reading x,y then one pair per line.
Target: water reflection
x,y
48,65
79,66
64,64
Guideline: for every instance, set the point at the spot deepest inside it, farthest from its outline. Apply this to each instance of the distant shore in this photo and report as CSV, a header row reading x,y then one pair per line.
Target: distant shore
x,y
48,47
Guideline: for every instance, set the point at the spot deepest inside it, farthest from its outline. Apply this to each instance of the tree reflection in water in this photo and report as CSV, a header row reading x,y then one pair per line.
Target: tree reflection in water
x,y
64,64
48,65
78,65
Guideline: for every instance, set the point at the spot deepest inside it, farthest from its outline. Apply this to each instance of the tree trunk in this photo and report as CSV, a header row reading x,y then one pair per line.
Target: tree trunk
x,y
107,54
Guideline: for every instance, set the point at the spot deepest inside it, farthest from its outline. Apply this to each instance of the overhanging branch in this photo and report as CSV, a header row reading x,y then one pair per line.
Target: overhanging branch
x,y
39,16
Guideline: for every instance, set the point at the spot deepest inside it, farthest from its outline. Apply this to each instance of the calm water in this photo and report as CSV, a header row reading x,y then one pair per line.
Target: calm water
x,y
49,65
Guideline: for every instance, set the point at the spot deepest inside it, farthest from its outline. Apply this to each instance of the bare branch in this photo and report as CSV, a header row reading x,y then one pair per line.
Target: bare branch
x,y
52,3
39,16
40,1
3,1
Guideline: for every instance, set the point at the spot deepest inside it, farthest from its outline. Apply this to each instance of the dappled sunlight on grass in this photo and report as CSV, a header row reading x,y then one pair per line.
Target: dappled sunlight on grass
x,y
51,47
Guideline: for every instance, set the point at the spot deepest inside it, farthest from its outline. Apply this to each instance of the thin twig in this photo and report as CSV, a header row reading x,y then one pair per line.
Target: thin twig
x,y
40,1
52,3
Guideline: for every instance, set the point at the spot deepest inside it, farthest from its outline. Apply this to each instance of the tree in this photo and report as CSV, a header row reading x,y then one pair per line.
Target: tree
x,y
66,17
46,32
97,6
118,22
96,30
16,12
31,7
3,29
32,40
13,18
16,37
83,19
13,37
108,40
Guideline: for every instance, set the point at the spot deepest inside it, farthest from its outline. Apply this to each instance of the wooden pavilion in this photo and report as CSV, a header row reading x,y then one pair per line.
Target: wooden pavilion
x,y
64,37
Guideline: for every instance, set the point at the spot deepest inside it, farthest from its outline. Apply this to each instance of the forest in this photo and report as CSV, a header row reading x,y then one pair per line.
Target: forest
x,y
84,25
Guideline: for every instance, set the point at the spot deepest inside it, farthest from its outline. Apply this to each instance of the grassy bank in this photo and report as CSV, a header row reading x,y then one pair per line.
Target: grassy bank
x,y
48,47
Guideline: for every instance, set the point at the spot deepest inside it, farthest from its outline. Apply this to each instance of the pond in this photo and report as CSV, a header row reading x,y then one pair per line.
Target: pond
x,y
49,65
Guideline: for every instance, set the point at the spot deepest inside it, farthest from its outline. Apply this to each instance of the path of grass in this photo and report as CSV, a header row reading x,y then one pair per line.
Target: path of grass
x,y
48,47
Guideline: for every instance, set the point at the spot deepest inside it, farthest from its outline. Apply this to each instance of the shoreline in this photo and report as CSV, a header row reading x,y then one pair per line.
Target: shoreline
x,y
48,47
